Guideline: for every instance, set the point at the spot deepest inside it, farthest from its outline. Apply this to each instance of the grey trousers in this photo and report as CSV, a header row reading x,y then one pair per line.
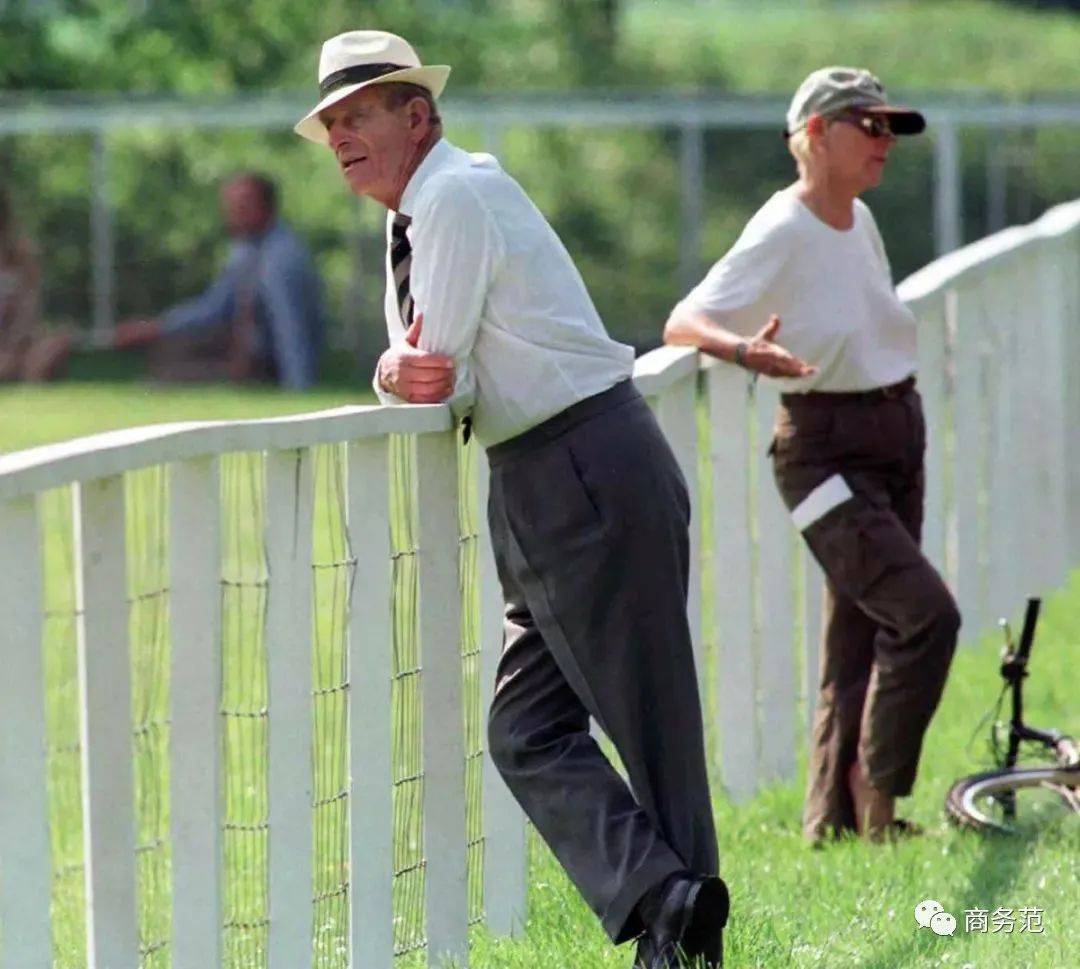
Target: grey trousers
x,y
589,520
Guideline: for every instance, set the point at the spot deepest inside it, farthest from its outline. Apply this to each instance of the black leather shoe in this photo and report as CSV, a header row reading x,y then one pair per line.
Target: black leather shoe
x,y
687,928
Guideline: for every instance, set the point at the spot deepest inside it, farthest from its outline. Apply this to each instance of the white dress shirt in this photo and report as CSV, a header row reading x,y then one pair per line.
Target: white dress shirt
x,y
831,288
500,294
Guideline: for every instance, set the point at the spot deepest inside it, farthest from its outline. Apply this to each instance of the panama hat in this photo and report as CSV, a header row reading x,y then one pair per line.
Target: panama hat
x,y
359,59
834,89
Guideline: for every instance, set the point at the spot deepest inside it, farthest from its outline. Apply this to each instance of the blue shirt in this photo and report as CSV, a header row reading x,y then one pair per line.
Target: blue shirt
x,y
288,303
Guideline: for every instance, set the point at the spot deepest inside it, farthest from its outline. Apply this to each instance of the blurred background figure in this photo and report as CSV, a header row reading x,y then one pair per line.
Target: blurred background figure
x,y
26,351
260,320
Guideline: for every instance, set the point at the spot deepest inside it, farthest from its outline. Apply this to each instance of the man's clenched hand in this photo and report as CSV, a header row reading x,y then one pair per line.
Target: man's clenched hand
x,y
416,375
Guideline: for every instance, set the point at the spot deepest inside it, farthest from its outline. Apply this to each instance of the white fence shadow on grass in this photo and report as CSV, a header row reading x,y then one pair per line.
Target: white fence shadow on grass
x,y
999,342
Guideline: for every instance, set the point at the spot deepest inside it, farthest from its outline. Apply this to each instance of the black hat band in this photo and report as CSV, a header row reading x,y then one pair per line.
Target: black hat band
x,y
357,75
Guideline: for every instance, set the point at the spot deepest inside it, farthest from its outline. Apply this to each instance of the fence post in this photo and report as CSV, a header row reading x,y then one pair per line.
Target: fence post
x,y
371,667
289,497
1070,278
997,185
112,937
1050,311
101,240
196,756
968,460
493,137
1004,498
446,873
1025,416
676,408
505,835
691,202
25,857
933,337
948,199
729,449
775,606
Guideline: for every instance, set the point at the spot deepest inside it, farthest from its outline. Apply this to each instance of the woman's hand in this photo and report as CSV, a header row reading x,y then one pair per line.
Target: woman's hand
x,y
760,354
763,355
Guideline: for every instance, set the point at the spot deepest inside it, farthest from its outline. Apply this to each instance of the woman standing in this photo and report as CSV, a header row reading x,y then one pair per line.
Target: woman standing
x,y
848,444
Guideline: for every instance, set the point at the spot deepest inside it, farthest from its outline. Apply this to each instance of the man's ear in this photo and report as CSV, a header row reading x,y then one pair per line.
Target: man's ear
x,y
419,114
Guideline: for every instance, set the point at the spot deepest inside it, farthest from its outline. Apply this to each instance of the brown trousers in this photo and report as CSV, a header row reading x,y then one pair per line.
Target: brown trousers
x,y
850,468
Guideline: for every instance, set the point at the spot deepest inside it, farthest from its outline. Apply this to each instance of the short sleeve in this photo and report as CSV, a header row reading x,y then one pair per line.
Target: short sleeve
x,y
734,292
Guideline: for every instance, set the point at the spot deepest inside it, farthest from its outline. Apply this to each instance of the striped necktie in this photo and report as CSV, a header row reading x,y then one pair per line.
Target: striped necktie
x,y
401,264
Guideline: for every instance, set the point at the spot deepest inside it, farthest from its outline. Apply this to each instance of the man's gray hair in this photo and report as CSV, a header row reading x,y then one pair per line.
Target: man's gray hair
x,y
396,94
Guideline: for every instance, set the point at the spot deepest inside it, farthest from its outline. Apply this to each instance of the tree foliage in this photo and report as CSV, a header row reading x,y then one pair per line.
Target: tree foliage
x,y
612,194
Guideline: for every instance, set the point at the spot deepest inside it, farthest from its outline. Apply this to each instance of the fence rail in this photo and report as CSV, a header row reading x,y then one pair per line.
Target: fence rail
x,y
343,813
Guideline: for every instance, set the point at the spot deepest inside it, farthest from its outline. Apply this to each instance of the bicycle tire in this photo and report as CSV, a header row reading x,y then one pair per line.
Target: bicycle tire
x,y
962,801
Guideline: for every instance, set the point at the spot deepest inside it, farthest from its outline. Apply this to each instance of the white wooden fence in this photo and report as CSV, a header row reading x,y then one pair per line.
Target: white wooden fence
x,y
999,339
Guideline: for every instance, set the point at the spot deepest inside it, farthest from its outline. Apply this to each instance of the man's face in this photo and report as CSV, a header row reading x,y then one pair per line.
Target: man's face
x,y
373,144
243,209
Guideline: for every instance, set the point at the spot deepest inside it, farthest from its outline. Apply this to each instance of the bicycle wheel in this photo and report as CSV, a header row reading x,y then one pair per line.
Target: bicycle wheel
x,y
1013,799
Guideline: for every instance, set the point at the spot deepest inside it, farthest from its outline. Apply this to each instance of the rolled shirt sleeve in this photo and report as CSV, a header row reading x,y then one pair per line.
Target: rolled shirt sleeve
x,y
456,249
500,295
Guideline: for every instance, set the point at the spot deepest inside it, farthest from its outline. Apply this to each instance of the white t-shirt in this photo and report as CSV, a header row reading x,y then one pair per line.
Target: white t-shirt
x,y
831,288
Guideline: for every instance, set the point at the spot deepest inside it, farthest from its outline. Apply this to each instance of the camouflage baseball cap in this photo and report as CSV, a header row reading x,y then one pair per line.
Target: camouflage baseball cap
x,y
834,89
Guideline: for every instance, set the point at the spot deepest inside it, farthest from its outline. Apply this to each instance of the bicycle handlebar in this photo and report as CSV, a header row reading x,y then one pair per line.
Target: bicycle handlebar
x,y
1027,637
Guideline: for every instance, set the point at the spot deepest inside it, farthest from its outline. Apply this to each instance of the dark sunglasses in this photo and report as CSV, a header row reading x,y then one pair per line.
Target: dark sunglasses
x,y
871,125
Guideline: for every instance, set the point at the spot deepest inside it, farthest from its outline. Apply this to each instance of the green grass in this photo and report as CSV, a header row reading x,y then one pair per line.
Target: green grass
x,y
42,414
104,391
851,905
34,415
847,906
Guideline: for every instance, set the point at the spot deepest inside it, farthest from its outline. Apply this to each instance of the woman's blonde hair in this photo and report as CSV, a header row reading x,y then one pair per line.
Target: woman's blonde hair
x,y
799,146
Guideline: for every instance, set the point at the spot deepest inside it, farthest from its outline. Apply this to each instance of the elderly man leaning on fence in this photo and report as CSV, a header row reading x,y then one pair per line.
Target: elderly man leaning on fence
x,y
260,320
588,509
849,441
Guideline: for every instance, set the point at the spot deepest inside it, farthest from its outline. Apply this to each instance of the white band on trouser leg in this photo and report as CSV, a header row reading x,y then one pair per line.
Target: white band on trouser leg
x,y
823,499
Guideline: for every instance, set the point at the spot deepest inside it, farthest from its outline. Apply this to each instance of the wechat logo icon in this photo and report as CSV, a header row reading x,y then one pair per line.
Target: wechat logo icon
x,y
932,915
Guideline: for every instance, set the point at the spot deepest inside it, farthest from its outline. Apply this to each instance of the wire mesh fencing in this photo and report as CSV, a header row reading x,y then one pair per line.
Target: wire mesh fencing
x,y
246,719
